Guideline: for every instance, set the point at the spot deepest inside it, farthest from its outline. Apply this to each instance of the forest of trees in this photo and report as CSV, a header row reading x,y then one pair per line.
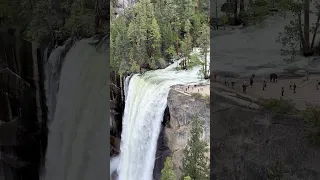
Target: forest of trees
x,y
299,36
152,32
45,21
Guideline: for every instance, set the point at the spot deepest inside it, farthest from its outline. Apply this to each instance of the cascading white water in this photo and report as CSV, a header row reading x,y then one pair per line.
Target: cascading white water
x,y
52,73
143,114
126,86
77,146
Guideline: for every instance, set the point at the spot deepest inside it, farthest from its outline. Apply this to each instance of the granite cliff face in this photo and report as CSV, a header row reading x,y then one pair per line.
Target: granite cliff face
x,y
246,143
183,108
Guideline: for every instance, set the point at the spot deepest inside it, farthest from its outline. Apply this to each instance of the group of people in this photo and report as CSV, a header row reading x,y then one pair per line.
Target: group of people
x,y
273,79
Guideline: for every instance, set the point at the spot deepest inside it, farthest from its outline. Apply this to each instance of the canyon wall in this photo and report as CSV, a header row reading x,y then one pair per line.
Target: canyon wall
x,y
183,108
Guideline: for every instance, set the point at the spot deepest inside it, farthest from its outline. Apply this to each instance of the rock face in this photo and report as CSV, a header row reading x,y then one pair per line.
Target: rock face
x,y
183,108
247,143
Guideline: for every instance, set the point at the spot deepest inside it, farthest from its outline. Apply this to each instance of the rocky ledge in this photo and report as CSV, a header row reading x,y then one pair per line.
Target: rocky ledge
x,y
183,108
249,142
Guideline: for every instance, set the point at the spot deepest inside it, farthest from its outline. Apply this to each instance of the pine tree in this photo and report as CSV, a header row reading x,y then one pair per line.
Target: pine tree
x,y
186,44
195,163
204,44
167,172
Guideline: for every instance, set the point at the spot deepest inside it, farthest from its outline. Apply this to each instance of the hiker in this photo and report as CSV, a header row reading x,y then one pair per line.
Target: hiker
x,y
244,87
282,91
215,77
318,84
290,84
294,88
233,83
225,81
307,75
251,82
264,85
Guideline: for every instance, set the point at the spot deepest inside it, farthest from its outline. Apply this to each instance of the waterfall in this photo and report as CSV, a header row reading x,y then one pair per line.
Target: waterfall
x,y
126,85
144,109
52,74
77,145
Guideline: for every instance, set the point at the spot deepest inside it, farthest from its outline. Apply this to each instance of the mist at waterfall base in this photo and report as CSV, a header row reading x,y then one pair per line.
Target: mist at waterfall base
x,y
144,109
77,148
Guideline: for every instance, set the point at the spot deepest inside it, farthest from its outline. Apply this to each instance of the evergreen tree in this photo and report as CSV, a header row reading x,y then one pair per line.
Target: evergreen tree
x,y
186,44
204,44
167,172
195,164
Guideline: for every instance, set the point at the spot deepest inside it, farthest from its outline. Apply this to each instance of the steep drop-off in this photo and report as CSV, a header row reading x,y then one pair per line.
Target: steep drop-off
x,y
247,142
183,108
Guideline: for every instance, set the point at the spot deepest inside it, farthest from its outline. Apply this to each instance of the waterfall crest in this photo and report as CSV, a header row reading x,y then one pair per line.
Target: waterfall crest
x,y
144,109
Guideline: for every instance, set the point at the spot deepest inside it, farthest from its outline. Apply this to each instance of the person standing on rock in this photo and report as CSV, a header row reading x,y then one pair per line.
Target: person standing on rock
x,y
290,84
264,85
282,91
307,75
294,88
232,84
244,87
318,84
251,82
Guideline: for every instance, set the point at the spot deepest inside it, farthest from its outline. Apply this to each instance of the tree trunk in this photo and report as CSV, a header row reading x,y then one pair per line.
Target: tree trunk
x,y
36,82
306,27
301,33
217,20
241,6
241,10
315,31
17,51
205,65
235,11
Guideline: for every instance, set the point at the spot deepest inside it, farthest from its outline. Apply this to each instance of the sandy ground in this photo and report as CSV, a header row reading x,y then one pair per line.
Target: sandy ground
x,y
305,93
202,89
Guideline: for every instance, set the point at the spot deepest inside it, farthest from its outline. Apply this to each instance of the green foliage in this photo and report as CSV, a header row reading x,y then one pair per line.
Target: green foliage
x,y
258,12
155,31
312,123
206,98
81,21
275,171
225,20
194,61
45,21
279,107
187,178
196,95
292,38
167,172
195,163
204,45
290,41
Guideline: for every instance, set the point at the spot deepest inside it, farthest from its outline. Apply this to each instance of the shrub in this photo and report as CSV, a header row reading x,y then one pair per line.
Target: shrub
x,y
279,107
312,123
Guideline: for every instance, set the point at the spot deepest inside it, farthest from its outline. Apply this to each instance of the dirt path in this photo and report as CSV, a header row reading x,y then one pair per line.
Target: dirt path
x,y
305,93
